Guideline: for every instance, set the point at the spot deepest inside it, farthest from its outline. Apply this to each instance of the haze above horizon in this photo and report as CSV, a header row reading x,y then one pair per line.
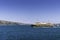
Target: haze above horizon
x,y
30,11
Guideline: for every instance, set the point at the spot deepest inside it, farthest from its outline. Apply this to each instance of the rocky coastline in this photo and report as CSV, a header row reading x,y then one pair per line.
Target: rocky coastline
x,y
8,22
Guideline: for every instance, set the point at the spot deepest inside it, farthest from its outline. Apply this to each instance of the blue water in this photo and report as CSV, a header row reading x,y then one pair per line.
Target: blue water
x,y
15,32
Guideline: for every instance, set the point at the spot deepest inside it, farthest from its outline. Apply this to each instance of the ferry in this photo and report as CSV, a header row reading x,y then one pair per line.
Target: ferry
x,y
38,24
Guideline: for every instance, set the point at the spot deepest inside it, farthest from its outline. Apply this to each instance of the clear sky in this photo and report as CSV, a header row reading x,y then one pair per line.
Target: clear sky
x,y
30,11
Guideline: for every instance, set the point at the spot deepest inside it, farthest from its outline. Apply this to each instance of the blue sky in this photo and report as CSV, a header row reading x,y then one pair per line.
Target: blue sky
x,y
30,11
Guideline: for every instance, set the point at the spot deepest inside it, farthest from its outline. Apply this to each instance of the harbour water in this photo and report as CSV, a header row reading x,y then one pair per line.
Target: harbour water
x,y
16,32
